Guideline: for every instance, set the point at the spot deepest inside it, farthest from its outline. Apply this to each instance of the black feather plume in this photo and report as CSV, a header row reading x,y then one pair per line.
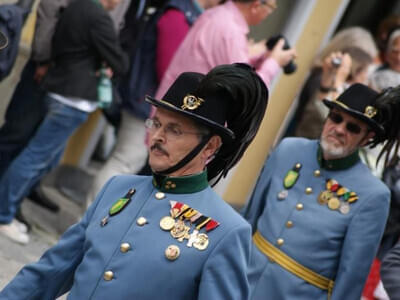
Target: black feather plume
x,y
247,97
388,107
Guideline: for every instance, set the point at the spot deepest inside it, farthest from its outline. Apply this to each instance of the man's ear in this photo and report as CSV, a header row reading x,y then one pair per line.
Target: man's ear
x,y
211,148
370,135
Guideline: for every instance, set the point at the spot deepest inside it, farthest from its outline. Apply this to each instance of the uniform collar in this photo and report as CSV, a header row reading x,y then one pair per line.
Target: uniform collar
x,y
337,164
181,185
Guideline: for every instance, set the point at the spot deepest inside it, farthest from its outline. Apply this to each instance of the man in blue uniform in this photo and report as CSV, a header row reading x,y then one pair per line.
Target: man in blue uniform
x,y
168,235
317,212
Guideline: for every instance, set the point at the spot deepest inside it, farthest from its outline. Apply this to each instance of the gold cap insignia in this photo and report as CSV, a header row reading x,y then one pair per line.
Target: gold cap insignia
x,y
191,102
370,111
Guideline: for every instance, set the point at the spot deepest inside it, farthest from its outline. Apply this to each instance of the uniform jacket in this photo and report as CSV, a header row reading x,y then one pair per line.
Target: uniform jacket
x,y
87,250
336,245
84,38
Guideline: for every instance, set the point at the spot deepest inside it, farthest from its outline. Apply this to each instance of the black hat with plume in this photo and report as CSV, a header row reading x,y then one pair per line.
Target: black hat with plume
x,y
230,100
380,111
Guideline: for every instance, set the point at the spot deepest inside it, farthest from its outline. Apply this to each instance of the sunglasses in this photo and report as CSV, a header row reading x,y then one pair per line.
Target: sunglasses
x,y
337,119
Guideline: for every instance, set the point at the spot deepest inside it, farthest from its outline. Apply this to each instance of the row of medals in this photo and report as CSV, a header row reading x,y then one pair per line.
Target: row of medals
x,y
176,225
337,197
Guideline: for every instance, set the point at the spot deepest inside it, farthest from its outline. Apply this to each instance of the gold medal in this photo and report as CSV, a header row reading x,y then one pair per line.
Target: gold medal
x,y
180,231
324,197
334,203
172,252
201,242
167,223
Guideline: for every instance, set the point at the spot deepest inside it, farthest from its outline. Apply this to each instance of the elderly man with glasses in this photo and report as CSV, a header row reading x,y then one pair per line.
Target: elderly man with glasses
x,y
168,235
317,212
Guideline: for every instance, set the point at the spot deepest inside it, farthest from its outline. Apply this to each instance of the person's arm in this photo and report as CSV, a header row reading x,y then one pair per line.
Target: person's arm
x,y
224,274
360,245
106,42
171,30
53,274
48,13
258,200
390,272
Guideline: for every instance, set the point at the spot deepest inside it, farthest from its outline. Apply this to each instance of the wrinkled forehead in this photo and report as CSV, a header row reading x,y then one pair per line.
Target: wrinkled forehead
x,y
167,117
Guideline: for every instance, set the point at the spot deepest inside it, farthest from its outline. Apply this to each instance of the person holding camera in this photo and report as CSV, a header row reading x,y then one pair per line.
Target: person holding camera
x,y
338,71
219,36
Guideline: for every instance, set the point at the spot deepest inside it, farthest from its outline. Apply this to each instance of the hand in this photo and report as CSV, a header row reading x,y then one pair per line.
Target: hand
x,y
256,48
334,76
283,57
40,72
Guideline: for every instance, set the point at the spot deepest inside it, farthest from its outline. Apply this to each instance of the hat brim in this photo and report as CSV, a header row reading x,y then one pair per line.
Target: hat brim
x,y
3,41
226,134
377,128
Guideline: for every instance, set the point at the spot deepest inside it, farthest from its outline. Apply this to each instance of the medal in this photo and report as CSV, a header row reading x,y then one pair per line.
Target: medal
x,y
201,242
291,176
283,194
118,206
324,197
334,203
172,252
344,208
193,237
180,231
167,223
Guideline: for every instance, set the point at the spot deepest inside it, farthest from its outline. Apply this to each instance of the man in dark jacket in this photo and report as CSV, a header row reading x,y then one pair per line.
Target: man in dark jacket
x,y
84,40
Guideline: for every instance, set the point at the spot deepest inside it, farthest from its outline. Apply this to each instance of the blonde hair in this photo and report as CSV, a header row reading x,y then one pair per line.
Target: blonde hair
x,y
352,36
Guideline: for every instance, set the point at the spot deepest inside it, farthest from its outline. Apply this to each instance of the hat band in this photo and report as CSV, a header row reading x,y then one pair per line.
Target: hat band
x,y
369,111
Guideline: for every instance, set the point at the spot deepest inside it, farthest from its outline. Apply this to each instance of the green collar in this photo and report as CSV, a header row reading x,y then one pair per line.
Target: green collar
x,y
181,185
337,164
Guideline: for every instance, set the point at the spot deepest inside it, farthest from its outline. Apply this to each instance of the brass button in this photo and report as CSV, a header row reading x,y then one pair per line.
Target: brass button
x,y
159,195
279,242
308,191
298,165
125,247
141,221
108,275
299,206
172,252
289,224
173,185
317,173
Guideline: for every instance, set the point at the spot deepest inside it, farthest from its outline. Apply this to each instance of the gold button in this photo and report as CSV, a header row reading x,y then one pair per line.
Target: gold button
x,y
298,166
279,242
172,252
169,182
108,275
141,221
317,173
173,185
308,191
299,206
289,224
159,195
125,247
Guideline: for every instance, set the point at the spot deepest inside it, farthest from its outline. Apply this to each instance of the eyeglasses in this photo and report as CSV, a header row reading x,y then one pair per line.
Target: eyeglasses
x,y
350,126
271,6
171,131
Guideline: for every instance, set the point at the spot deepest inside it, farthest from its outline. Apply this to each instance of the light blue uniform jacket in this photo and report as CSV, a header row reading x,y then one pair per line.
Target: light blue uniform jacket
x,y
335,245
87,250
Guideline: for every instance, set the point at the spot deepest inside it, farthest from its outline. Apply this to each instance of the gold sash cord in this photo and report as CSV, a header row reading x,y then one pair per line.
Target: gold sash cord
x,y
291,265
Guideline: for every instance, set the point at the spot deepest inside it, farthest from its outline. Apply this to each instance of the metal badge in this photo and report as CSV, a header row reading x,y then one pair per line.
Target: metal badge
x,y
191,102
201,241
334,203
180,231
324,197
283,194
167,223
344,208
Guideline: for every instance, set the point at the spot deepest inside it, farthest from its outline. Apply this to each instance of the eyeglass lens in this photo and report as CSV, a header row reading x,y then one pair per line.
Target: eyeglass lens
x,y
337,119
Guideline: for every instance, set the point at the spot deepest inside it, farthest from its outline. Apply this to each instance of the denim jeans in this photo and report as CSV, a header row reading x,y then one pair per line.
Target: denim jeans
x,y
25,112
39,156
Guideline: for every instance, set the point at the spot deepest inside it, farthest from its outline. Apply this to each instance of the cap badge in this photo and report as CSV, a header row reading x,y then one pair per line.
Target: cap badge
x,y
191,102
370,111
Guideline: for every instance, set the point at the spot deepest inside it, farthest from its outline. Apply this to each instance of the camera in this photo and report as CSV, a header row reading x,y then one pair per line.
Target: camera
x,y
336,62
271,42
